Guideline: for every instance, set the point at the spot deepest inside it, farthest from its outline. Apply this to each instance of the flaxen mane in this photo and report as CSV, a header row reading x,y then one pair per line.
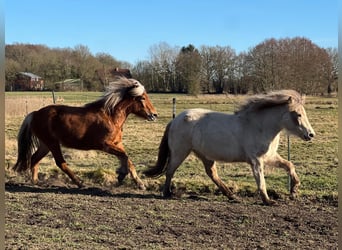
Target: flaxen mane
x,y
260,102
116,91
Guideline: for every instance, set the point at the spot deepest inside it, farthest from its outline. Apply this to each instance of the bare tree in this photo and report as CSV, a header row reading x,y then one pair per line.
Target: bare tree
x,y
290,63
85,64
295,63
142,70
218,66
57,64
207,68
163,59
333,74
242,73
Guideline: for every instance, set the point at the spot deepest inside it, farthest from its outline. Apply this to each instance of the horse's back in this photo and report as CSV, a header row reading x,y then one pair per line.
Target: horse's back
x,y
74,127
219,136
187,120
55,116
216,135
181,129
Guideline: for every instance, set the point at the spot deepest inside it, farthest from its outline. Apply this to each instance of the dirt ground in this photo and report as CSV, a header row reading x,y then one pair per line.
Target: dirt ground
x,y
61,217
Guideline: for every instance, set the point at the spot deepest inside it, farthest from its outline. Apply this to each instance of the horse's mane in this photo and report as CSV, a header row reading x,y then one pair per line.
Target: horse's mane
x,y
271,99
116,91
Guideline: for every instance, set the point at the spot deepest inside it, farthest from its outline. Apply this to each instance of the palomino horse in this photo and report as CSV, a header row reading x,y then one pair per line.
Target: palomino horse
x,y
97,125
250,135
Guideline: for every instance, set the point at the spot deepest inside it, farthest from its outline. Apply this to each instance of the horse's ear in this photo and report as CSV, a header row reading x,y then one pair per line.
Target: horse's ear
x,y
289,101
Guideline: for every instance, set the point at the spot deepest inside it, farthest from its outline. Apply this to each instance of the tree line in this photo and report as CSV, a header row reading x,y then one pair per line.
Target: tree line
x,y
295,63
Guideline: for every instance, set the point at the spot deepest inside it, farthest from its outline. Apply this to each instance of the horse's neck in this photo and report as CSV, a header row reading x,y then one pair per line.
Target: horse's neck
x,y
119,115
269,122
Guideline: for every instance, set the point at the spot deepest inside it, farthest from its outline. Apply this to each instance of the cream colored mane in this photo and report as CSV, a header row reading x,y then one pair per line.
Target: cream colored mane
x,y
259,102
118,89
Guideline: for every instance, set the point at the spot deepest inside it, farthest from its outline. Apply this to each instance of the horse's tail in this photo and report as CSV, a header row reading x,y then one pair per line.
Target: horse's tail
x,y
26,144
163,156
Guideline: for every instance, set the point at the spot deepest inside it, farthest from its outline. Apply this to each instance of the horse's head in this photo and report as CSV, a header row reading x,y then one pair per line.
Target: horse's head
x,y
128,95
141,103
297,122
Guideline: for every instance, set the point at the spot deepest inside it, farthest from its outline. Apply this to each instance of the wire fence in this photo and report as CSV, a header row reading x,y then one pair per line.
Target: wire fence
x,y
20,104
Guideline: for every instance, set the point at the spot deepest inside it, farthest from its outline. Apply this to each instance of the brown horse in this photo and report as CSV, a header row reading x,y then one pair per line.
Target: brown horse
x,y
97,125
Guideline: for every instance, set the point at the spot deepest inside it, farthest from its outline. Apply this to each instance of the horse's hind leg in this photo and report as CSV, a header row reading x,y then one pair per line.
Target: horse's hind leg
x,y
35,159
61,163
176,159
210,168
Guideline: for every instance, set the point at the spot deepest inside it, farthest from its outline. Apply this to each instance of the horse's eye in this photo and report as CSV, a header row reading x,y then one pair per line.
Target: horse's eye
x,y
299,115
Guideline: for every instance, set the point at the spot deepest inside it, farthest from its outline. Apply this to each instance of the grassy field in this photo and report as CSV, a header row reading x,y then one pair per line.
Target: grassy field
x,y
316,161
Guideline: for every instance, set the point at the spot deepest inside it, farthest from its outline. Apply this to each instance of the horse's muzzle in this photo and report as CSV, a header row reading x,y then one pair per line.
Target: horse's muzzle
x,y
152,117
309,136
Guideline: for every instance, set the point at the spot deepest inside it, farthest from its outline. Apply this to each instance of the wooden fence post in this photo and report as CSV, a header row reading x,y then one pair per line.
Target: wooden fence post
x,y
173,108
53,97
26,106
289,159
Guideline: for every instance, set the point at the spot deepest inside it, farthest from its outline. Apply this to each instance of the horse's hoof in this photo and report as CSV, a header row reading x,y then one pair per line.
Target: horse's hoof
x,y
141,186
118,184
234,199
269,202
121,177
79,183
293,196
167,194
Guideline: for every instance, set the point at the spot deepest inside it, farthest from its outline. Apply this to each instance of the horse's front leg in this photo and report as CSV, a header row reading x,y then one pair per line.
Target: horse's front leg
x,y
279,162
126,165
258,172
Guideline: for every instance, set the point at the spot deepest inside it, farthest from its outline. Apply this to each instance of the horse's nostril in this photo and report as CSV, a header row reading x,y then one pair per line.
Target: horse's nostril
x,y
311,135
152,117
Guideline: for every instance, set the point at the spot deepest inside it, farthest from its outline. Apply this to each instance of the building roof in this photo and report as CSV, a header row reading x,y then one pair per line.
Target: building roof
x,y
70,81
31,75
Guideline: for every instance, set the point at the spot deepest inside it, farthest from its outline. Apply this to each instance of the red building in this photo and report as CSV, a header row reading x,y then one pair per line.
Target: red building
x,y
28,81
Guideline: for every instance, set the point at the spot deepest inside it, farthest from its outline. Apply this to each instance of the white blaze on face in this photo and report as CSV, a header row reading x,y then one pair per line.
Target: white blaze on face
x,y
306,124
